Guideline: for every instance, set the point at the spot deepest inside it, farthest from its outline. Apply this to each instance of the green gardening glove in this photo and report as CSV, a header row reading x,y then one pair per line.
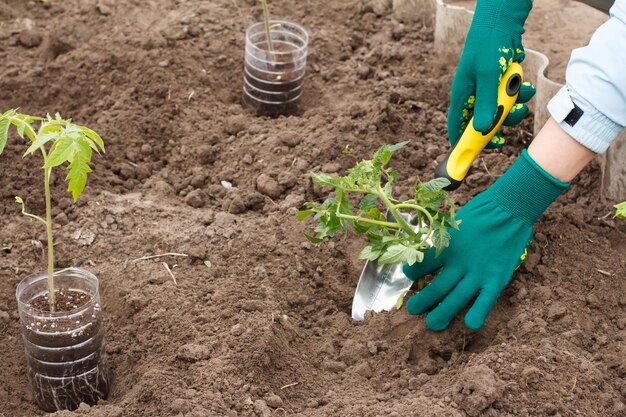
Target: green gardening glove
x,y
493,42
496,229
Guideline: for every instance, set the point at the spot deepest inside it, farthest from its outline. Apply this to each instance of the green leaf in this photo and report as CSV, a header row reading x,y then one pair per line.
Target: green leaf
x,y
208,264
375,214
429,195
392,175
77,175
313,239
40,141
20,129
388,189
453,222
343,205
436,184
383,155
400,300
362,228
4,132
621,210
24,122
303,214
368,202
323,179
397,146
441,239
369,253
93,136
77,152
400,254
19,200
330,224
66,149
416,256
47,128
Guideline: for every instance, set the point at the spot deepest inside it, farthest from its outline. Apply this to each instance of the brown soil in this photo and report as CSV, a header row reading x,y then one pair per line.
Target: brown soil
x,y
266,329
64,300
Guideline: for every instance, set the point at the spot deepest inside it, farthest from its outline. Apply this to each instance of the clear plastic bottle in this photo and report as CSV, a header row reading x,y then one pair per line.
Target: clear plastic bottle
x,y
273,80
66,360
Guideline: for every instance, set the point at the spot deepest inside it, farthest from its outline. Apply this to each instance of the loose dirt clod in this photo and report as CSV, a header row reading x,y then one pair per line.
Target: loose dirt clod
x,y
274,401
192,352
235,124
196,199
352,352
477,389
261,409
268,186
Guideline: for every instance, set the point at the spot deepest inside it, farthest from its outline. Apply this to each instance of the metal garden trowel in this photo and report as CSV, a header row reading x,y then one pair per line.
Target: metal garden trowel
x,y
380,286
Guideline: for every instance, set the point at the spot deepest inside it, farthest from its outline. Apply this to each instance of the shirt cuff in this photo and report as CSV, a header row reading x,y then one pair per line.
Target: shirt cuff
x,y
582,121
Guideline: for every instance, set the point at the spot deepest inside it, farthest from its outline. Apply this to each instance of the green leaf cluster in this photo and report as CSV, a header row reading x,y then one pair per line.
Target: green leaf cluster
x,y
390,242
59,140
620,212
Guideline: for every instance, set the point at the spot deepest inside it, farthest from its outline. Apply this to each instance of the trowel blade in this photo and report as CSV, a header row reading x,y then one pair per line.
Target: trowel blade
x,y
379,286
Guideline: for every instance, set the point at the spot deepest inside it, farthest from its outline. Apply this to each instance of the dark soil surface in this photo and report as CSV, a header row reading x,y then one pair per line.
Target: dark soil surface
x,y
266,329
64,300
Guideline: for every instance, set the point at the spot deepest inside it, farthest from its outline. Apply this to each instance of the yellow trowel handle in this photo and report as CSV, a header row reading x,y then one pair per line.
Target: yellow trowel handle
x,y
459,160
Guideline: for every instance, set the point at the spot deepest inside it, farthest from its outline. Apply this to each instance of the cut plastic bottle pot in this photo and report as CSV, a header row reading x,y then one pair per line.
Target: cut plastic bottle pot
x,y
273,79
65,356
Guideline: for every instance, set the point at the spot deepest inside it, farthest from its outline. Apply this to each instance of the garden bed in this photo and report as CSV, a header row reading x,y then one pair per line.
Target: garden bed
x,y
266,329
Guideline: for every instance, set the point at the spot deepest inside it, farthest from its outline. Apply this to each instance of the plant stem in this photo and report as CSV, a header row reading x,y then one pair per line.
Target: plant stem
x,y
266,17
25,213
405,226
370,221
417,208
50,239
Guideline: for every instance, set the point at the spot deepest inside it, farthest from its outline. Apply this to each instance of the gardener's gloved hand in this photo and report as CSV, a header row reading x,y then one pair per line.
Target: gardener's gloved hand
x,y
493,42
496,229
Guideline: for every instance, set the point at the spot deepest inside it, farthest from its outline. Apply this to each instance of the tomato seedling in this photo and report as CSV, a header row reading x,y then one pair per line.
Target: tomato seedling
x,y
60,141
268,29
389,241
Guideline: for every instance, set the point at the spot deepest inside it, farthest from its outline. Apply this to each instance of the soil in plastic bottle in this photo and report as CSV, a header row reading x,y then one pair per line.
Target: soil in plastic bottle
x,y
284,88
67,363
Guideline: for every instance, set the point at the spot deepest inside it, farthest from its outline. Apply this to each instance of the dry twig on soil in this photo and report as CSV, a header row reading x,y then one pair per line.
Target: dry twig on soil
x,y
145,258
167,267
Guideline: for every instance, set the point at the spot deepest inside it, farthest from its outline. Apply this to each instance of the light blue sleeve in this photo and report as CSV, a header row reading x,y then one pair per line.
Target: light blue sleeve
x,y
591,107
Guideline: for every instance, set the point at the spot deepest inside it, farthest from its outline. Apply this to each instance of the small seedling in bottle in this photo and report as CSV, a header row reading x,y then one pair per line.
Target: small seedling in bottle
x,y
60,141
390,242
268,29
